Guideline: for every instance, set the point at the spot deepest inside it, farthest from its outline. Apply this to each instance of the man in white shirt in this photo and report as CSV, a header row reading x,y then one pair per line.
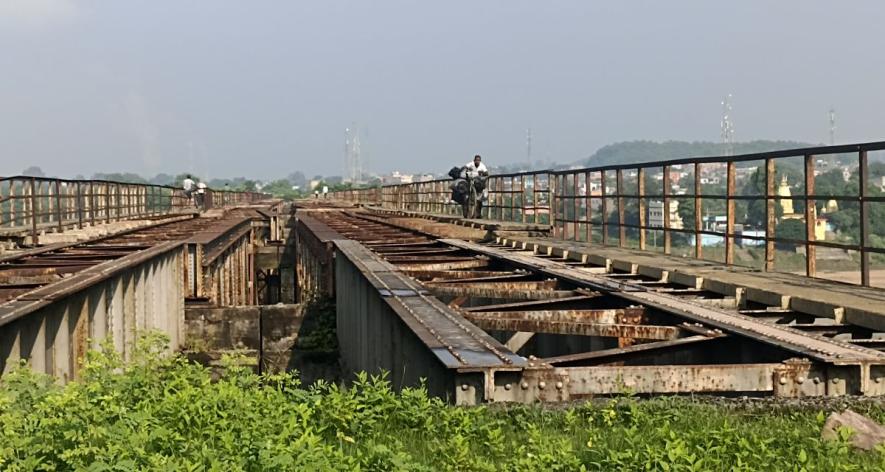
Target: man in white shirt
x,y
201,195
475,169
188,186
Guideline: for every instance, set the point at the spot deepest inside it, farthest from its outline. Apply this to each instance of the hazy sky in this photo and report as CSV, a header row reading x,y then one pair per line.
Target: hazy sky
x,y
264,88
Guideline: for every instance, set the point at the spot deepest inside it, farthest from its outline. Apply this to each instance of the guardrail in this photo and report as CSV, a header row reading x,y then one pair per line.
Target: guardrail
x,y
30,205
819,211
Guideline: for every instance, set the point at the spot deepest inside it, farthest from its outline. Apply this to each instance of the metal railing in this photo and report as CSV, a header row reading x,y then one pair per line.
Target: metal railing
x,y
31,205
819,211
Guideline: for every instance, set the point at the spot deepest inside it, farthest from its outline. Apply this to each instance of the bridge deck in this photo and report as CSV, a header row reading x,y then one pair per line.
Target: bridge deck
x,y
848,303
589,320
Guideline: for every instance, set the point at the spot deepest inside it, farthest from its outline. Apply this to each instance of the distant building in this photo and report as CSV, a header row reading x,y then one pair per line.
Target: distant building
x,y
716,223
742,241
656,215
821,223
397,178
832,206
783,191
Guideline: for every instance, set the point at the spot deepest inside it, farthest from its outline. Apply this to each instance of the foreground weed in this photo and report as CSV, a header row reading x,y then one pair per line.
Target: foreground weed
x,y
159,412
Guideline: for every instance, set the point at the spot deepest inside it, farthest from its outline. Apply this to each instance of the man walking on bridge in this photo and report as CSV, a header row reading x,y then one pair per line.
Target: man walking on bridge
x,y
188,186
476,173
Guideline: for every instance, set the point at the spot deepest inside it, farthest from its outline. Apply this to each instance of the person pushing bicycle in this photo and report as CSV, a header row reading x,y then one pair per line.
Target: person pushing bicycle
x,y
476,173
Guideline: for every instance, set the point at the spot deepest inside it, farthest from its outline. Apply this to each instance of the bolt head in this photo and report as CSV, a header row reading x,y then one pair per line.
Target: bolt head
x,y
800,380
464,387
878,380
783,380
507,387
559,385
816,380
524,385
542,384
835,381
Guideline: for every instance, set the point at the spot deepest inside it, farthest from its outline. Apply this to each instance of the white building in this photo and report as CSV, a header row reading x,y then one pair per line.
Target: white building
x,y
656,215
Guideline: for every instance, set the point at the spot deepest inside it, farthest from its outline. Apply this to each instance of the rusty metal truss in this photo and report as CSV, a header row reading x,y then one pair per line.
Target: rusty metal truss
x,y
562,329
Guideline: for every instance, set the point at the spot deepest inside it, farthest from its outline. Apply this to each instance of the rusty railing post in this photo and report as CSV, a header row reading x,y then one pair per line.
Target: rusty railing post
x,y
588,210
79,205
575,206
730,209
38,200
91,204
536,210
604,190
13,202
810,219
522,202
863,172
770,215
622,230
34,238
555,198
665,192
58,214
107,200
698,213
640,193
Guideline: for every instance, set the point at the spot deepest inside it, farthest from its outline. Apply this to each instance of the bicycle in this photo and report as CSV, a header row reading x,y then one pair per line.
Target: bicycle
x,y
472,207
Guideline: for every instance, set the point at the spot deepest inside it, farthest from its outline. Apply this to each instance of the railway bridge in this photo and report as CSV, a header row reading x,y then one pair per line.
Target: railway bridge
x,y
722,275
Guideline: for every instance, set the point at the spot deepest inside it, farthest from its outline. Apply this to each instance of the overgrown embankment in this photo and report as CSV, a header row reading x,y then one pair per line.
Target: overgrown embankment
x,y
164,413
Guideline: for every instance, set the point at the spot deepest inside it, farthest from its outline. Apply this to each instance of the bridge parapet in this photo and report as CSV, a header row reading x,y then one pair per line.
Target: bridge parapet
x,y
30,206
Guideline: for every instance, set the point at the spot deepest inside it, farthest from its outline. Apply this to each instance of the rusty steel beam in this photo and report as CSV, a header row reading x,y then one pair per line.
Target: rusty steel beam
x,y
528,305
444,275
616,354
465,264
580,328
505,278
518,340
633,315
817,348
493,292
432,251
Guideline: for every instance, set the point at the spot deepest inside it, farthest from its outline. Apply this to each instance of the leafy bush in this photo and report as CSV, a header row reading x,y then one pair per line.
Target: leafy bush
x,y
161,412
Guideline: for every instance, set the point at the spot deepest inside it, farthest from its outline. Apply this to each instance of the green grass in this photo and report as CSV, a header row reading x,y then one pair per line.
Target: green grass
x,y
162,413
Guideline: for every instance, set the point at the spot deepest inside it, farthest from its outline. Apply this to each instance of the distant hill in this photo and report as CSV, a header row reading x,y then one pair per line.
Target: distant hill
x,y
634,152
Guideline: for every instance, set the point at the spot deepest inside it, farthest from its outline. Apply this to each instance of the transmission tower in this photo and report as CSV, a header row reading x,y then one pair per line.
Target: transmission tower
x,y
727,127
832,126
528,146
352,161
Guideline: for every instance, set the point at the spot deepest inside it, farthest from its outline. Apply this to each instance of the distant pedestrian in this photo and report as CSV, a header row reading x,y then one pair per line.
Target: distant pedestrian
x,y
188,186
201,195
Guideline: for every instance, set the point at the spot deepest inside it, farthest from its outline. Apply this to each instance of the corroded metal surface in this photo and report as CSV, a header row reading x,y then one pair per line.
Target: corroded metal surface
x,y
579,329
57,302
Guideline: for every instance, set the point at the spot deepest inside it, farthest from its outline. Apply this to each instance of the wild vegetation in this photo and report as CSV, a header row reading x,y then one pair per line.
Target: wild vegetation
x,y
159,412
